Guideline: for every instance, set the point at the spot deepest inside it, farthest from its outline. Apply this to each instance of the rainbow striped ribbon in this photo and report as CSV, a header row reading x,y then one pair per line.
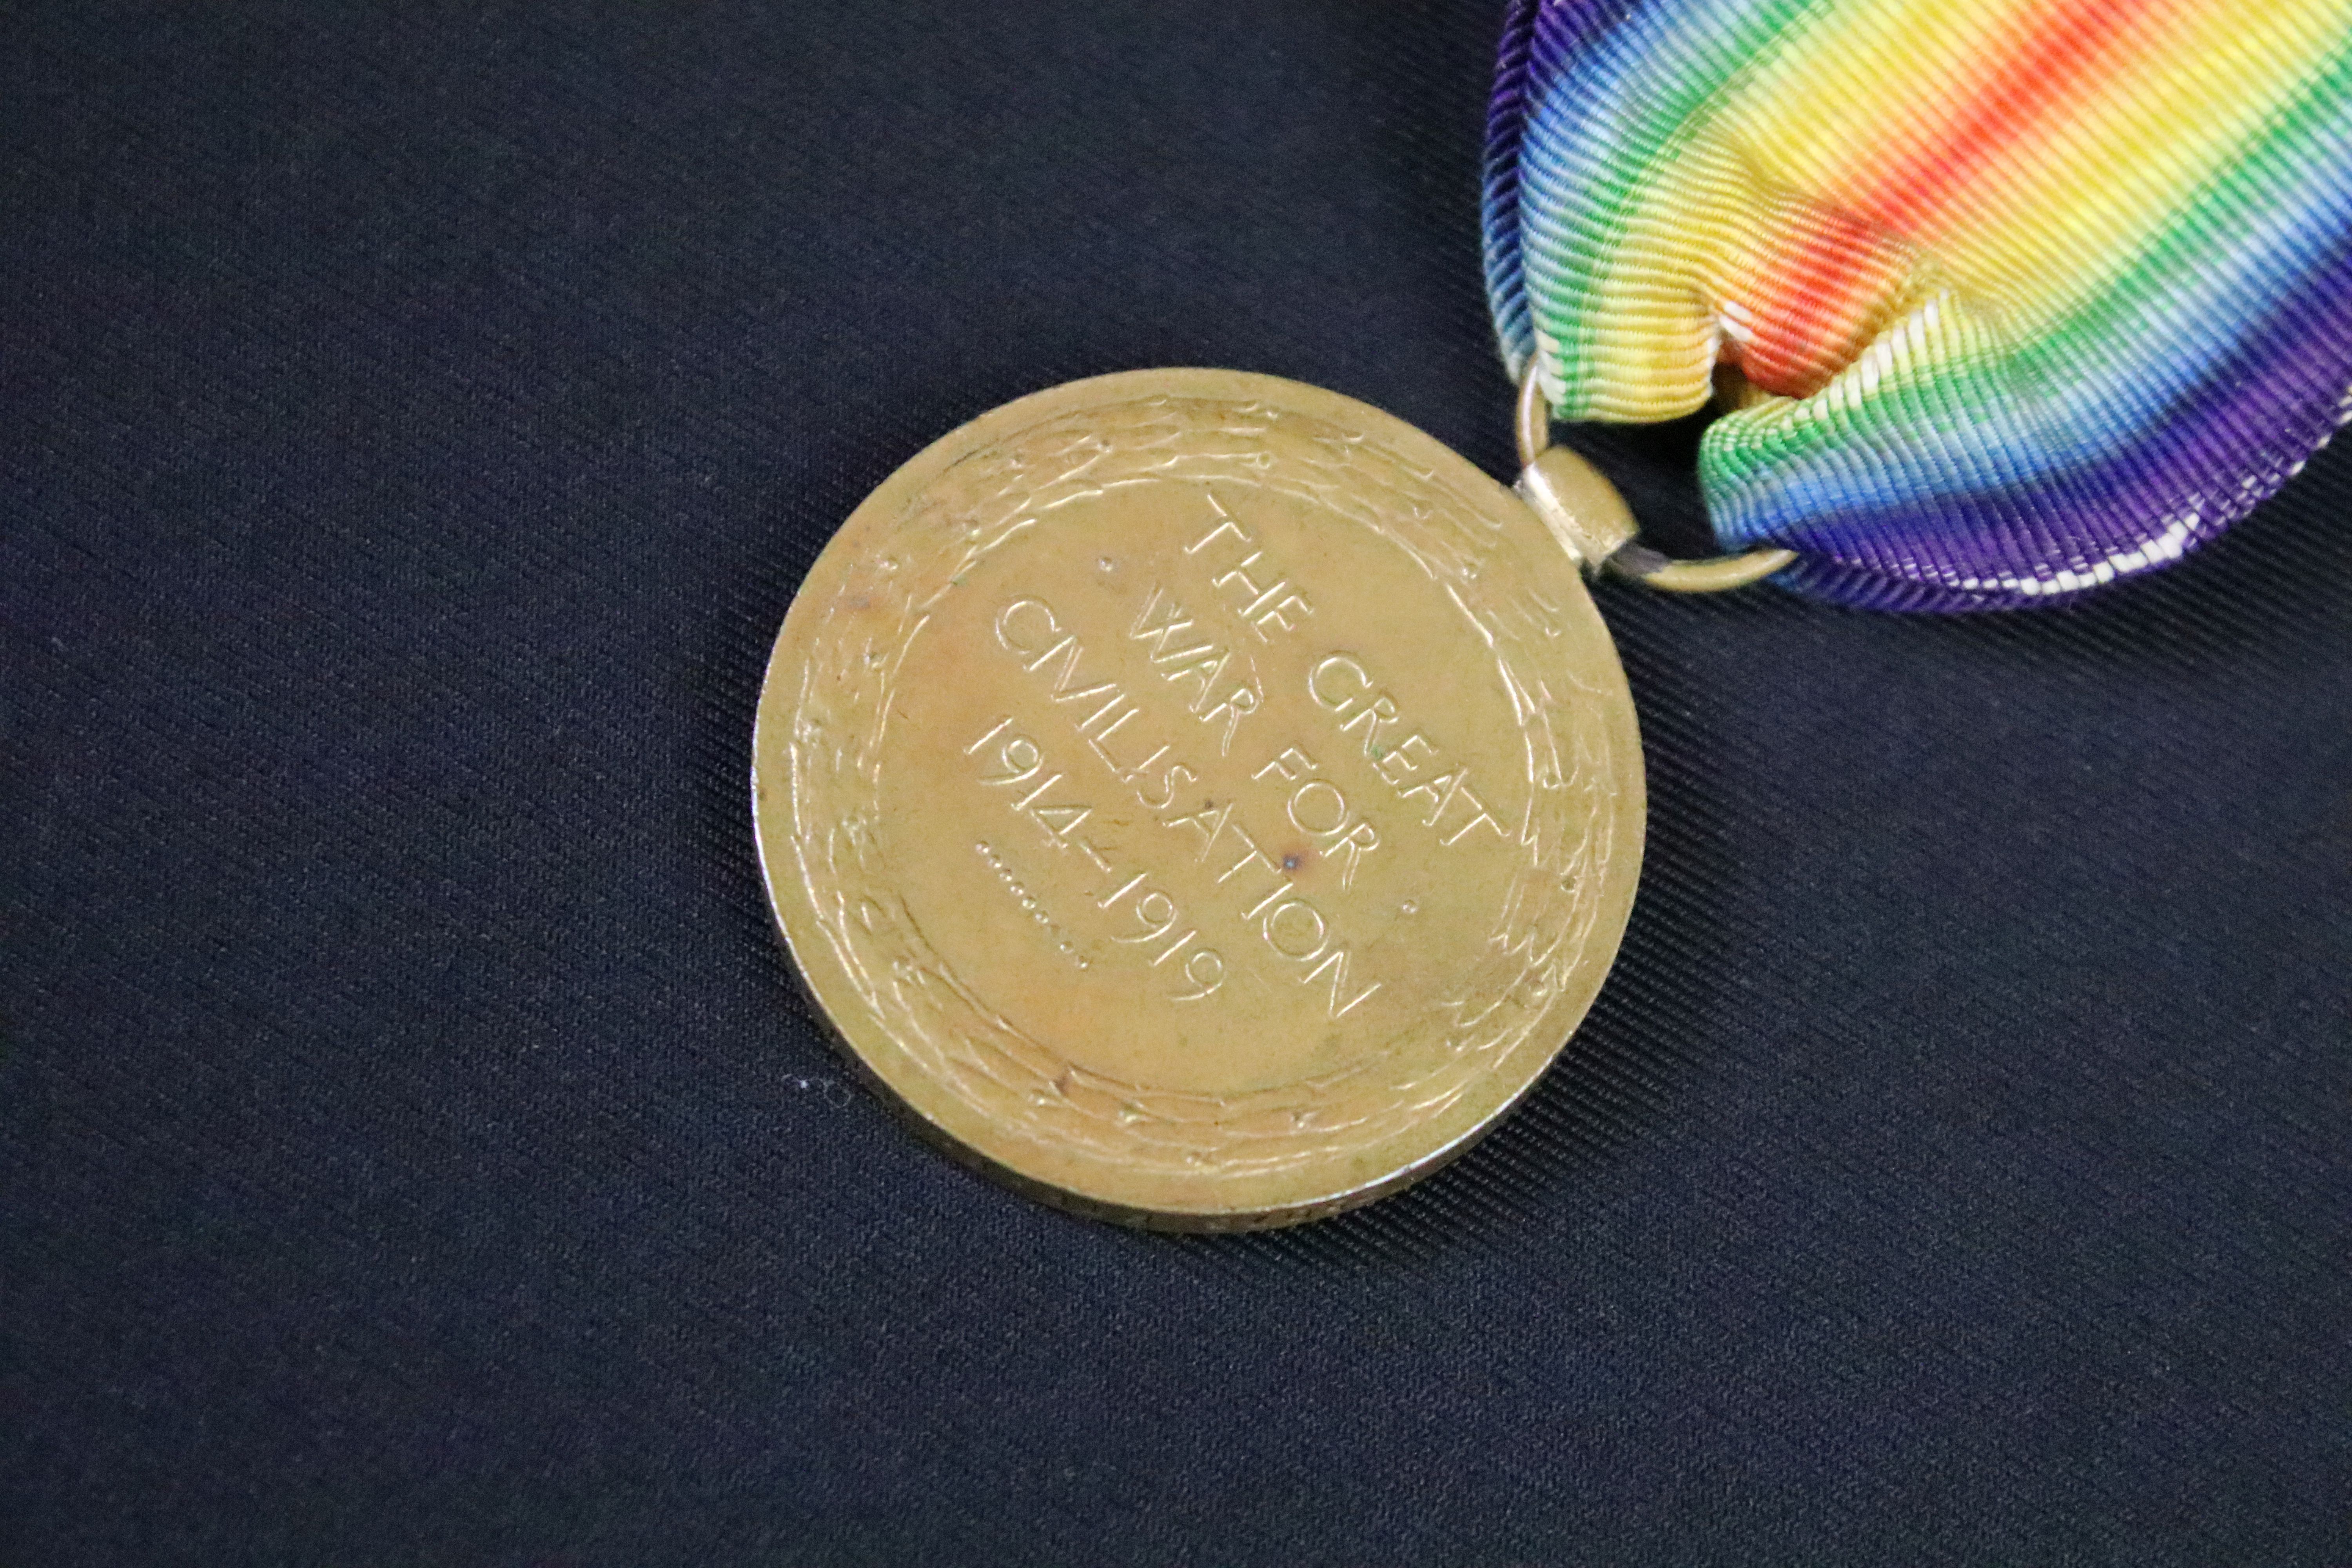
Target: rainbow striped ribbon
x,y
2022,296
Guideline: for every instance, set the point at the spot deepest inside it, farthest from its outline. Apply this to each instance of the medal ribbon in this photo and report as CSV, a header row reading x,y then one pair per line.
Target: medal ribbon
x,y
2018,296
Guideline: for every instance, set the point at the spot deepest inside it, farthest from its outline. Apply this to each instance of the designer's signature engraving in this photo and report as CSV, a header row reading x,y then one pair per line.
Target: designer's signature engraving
x,y
1029,903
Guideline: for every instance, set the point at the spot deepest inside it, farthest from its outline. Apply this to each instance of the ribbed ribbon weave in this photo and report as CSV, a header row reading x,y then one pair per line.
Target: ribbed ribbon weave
x,y
2017,297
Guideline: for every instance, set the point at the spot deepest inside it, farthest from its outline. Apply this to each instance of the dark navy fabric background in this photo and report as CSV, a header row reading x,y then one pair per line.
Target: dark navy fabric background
x,y
414,421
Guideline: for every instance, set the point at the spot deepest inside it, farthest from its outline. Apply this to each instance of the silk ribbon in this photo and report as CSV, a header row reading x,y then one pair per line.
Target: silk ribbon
x,y
2008,299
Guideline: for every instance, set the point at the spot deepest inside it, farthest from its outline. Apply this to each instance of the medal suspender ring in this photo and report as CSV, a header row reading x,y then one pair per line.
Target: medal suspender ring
x,y
1591,522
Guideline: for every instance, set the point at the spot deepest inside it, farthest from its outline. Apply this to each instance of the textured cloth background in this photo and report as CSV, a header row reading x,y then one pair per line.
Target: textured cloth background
x,y
413,423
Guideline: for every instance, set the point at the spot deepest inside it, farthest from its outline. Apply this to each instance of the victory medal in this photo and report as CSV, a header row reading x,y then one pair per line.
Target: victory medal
x,y
1202,798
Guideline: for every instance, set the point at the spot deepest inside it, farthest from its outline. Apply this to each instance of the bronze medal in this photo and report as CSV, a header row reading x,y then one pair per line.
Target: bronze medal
x,y
1198,799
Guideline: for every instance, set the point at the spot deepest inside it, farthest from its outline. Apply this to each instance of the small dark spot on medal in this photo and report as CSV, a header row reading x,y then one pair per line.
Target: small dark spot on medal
x,y
1296,860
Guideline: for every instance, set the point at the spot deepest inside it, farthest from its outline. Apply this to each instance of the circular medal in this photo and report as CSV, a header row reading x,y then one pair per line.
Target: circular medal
x,y
1199,799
